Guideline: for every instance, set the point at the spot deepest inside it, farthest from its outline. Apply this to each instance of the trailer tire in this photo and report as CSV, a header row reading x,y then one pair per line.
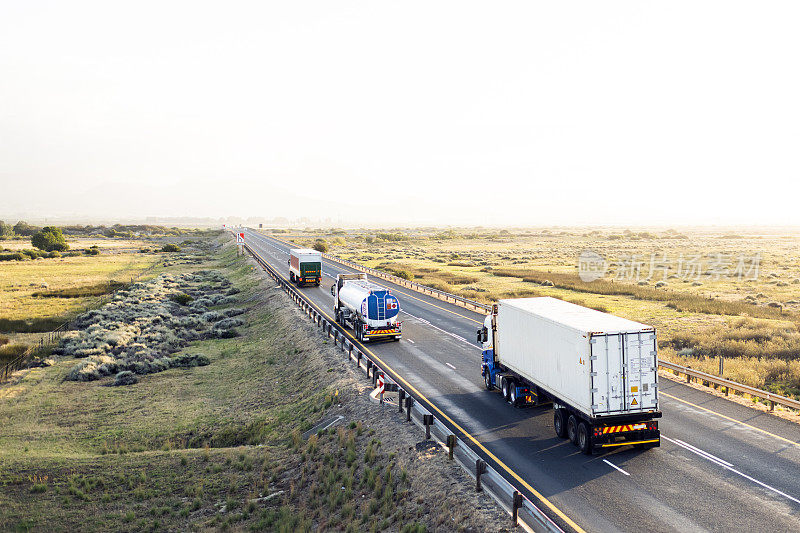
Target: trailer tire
x,y
487,379
584,439
572,429
504,383
512,394
560,423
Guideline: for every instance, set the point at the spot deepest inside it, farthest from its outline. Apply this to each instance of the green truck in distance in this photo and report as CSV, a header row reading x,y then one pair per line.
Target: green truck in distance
x,y
305,266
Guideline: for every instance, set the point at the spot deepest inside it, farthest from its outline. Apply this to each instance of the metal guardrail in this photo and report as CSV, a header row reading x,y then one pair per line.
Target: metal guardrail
x,y
717,381
523,511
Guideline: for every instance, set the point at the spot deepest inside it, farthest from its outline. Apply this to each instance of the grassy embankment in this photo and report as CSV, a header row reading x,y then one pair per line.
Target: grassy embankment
x,y
752,323
216,446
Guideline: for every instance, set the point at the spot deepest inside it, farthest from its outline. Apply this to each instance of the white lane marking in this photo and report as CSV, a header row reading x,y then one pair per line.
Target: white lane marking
x,y
703,453
409,340
612,465
458,337
451,366
726,465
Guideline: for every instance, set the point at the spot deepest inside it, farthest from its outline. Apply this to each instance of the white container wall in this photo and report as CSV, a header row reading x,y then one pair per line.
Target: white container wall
x,y
598,363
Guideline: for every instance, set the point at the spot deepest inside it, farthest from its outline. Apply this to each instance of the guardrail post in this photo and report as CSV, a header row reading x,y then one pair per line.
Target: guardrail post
x,y
726,391
721,366
358,359
401,395
451,444
515,505
409,403
428,421
772,405
480,469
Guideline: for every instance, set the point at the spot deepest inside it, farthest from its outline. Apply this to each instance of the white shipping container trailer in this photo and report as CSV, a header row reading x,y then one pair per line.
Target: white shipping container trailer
x,y
600,371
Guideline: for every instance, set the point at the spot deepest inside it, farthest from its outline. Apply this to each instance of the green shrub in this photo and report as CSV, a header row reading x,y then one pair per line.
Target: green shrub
x,y
321,246
126,377
49,238
6,230
25,229
181,298
170,248
92,250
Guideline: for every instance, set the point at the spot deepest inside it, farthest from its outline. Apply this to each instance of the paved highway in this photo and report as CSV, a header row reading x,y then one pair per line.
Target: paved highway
x,y
721,466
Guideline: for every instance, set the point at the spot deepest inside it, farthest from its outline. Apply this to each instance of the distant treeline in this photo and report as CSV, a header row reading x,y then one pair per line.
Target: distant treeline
x,y
23,229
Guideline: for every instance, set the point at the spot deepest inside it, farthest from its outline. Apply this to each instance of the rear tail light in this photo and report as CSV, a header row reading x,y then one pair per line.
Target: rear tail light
x,y
598,432
652,426
365,327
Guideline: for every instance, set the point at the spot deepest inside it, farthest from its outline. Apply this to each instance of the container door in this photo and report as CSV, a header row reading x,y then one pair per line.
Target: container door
x,y
641,370
608,374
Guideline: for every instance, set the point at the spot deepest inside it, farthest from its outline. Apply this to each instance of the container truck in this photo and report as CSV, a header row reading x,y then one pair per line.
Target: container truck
x,y
368,308
305,266
599,371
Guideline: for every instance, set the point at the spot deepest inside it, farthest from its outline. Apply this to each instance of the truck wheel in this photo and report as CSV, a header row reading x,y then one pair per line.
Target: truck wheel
x,y
560,423
291,277
512,394
505,389
584,440
572,429
487,379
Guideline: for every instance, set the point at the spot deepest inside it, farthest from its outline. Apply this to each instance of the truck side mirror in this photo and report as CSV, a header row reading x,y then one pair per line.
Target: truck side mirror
x,y
480,335
333,290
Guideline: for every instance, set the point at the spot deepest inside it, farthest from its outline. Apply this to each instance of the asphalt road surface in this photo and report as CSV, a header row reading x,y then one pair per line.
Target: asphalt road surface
x,y
721,466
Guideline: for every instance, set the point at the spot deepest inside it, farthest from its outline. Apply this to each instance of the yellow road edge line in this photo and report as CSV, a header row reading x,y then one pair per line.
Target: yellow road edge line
x,y
401,292
731,419
516,476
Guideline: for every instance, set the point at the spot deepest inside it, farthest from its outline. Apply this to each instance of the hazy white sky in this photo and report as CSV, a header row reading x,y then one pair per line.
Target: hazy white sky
x,y
451,112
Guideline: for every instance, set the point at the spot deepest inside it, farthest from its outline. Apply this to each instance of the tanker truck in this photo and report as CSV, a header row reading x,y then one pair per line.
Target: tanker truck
x,y
305,266
599,371
366,307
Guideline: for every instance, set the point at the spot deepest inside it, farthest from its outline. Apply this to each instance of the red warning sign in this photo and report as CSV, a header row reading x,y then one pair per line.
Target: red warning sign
x,y
380,386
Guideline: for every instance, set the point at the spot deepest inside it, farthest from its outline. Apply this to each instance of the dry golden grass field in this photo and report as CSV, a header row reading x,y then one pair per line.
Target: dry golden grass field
x,y
708,291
